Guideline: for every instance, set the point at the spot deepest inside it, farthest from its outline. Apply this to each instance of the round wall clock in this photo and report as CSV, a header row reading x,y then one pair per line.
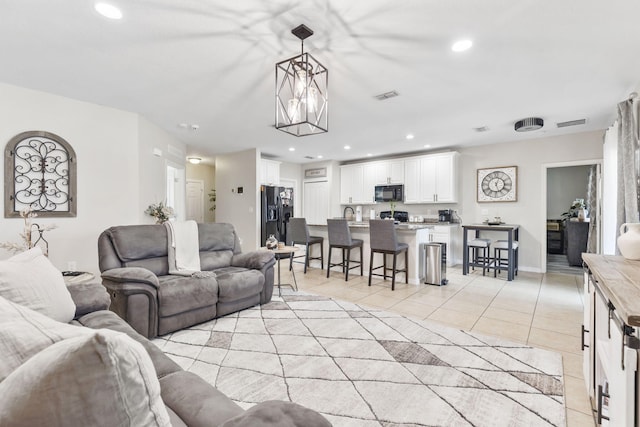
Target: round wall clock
x,y
497,184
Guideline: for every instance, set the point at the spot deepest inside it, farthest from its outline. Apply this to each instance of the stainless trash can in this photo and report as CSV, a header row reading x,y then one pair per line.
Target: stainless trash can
x,y
435,263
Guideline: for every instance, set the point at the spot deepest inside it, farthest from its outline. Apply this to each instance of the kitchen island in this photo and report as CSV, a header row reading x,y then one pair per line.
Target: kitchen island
x,y
413,234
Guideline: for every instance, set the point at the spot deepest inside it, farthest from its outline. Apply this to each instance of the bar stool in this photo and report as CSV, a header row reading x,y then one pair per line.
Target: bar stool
x,y
503,263
300,236
478,259
383,239
340,237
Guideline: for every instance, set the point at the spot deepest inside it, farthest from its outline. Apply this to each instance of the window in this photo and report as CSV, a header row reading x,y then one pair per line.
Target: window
x,y
40,173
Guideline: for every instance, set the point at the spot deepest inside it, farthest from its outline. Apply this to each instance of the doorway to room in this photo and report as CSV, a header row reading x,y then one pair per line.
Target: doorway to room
x,y
175,187
566,201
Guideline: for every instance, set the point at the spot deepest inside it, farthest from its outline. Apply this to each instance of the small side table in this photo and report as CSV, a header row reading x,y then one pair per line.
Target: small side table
x,y
285,250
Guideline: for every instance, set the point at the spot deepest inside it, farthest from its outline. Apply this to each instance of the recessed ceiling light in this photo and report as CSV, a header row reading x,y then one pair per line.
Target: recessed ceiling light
x,y
292,149
427,146
369,154
194,160
410,136
347,147
320,156
108,10
461,45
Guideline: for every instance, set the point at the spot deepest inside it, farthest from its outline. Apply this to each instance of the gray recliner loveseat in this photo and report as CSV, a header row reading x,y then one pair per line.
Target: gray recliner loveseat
x,y
133,260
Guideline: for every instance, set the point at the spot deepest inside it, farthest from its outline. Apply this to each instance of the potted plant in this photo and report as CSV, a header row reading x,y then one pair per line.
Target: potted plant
x,y
576,210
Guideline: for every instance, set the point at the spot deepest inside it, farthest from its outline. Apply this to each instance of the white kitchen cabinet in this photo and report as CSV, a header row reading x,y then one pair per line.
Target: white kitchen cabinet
x,y
610,338
371,172
432,179
269,172
412,180
449,234
390,172
384,172
352,184
426,179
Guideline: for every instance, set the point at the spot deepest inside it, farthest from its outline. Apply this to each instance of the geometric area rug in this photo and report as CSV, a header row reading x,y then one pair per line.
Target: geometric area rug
x,y
364,367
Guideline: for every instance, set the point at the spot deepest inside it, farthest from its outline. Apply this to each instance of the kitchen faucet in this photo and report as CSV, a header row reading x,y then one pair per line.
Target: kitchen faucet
x,y
344,212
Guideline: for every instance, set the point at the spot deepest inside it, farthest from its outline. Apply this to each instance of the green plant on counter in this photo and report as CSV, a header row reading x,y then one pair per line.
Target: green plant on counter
x,y
392,206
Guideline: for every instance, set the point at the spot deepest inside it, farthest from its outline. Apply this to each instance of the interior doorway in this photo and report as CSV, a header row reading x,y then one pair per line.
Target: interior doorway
x,y
195,200
175,179
564,237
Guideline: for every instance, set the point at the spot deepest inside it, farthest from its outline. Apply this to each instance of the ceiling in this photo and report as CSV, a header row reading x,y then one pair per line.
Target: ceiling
x,y
212,63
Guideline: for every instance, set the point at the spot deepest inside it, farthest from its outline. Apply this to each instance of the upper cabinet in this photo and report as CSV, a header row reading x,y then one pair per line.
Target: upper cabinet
x,y
432,179
427,179
352,184
385,172
269,172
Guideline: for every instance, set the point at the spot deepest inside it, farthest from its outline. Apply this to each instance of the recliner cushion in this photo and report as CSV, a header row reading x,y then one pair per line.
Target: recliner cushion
x,y
235,283
178,294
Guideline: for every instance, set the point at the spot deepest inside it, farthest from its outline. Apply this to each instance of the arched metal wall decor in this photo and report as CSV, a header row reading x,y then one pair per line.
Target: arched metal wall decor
x,y
39,173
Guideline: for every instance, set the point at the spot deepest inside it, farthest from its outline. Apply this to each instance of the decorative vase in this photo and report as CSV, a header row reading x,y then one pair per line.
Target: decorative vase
x,y
629,241
272,242
582,214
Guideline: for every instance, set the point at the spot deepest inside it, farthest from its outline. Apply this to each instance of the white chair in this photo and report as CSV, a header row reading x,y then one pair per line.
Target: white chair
x,y
480,254
503,263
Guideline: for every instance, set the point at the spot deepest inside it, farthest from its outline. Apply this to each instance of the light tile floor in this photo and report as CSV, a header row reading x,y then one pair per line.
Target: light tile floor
x,y
540,310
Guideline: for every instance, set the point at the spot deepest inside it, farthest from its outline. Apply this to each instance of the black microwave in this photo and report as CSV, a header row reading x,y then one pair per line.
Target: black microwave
x,y
389,193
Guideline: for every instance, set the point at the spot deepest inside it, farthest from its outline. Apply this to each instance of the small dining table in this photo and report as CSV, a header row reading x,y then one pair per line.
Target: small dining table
x,y
512,236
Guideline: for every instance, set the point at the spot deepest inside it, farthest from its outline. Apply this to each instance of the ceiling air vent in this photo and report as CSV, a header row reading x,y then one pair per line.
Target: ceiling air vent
x,y
309,157
528,124
481,129
386,95
571,123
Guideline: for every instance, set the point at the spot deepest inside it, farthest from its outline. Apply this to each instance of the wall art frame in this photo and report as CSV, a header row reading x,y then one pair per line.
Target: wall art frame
x,y
40,173
497,184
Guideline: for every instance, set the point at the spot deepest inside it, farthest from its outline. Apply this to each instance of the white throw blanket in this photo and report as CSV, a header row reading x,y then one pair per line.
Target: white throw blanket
x,y
184,249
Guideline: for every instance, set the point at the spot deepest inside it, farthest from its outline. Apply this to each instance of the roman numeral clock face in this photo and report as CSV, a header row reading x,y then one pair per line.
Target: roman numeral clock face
x,y
497,184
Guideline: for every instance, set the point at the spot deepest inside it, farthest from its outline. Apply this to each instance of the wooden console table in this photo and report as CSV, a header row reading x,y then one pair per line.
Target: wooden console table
x,y
610,340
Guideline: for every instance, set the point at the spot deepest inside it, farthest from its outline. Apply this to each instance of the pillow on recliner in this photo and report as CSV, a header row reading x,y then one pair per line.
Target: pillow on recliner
x,y
30,279
25,332
105,378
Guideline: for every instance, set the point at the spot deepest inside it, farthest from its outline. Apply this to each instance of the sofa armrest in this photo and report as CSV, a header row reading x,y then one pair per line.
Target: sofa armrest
x,y
257,260
134,297
88,297
131,275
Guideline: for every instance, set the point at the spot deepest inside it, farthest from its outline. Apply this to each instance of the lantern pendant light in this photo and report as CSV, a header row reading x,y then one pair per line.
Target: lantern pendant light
x,y
301,92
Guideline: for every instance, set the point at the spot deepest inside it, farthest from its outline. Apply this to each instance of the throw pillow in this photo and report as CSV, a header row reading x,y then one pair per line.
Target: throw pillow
x,y
105,378
31,280
24,332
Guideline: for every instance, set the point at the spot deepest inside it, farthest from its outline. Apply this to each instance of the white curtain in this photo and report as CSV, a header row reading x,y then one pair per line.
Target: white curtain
x,y
628,163
594,211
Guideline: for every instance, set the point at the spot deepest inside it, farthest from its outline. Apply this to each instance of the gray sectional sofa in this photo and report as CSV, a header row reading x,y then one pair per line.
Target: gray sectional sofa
x,y
133,260
189,400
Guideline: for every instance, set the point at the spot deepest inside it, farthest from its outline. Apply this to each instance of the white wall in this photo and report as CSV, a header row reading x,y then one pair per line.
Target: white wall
x,y
235,170
564,186
528,211
151,167
106,143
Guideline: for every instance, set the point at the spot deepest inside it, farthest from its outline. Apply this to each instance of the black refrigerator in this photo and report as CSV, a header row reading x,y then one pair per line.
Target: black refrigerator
x,y
276,209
